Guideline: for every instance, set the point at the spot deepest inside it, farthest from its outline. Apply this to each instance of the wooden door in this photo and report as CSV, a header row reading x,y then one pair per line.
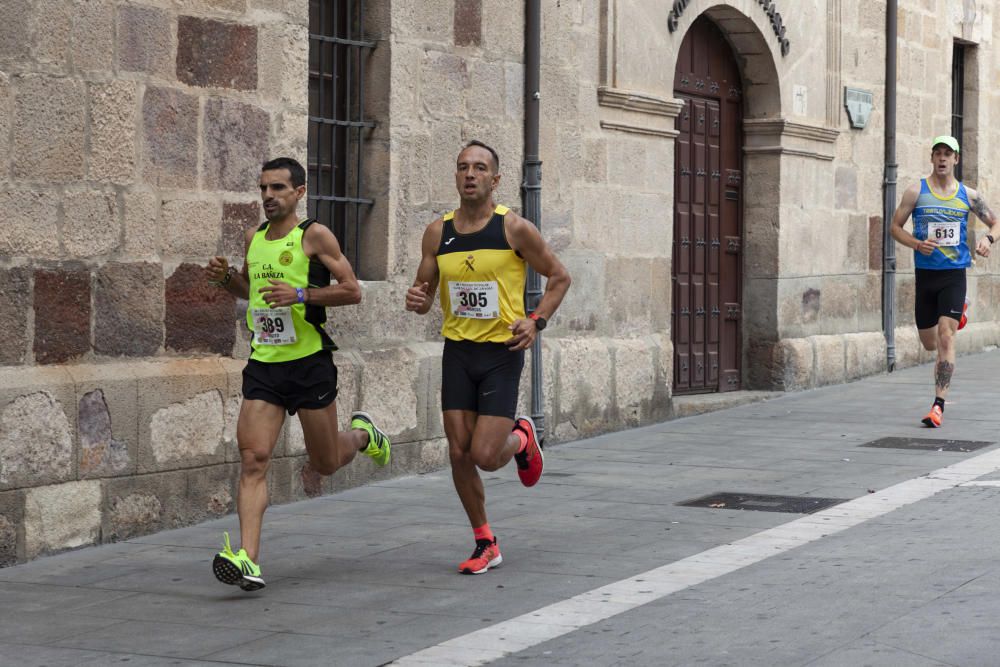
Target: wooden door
x,y
708,234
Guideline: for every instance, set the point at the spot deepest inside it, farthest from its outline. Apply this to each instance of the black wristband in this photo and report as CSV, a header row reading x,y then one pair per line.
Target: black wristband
x,y
992,240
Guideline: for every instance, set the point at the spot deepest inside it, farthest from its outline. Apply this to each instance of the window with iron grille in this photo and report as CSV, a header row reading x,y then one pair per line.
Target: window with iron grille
x,y
958,100
337,125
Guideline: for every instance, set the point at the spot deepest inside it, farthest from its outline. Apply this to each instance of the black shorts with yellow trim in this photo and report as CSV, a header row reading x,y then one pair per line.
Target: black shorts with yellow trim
x,y
309,383
480,377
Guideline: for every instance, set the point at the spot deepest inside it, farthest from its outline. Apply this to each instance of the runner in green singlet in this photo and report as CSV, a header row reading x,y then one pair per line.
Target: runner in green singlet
x,y
286,280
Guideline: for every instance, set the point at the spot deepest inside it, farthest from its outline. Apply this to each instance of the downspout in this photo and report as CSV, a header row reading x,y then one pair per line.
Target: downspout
x,y
889,202
531,188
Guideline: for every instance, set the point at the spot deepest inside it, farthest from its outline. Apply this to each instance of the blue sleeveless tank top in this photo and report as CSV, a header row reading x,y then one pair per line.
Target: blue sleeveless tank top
x,y
945,220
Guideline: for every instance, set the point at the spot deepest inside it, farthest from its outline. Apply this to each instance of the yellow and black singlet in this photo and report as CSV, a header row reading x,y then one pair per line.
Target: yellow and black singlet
x,y
482,281
289,332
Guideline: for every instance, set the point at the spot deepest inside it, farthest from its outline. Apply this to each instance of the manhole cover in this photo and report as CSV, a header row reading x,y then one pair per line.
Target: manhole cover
x,y
938,444
763,503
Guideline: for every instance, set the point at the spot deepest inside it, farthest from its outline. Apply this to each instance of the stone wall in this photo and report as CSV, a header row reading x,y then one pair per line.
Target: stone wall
x,y
132,132
133,137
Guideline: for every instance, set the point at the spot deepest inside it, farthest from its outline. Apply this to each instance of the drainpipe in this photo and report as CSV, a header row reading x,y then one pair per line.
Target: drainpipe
x,y
889,203
531,188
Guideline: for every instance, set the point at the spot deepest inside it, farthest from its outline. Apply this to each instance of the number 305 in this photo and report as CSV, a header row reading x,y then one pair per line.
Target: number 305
x,y
473,299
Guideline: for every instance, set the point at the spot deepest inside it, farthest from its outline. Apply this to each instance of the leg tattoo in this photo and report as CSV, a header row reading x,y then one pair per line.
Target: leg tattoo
x,y
942,375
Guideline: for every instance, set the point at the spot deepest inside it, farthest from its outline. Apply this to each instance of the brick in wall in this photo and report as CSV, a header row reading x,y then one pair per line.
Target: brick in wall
x,y
15,300
170,138
215,54
199,316
468,25
128,306
237,217
62,314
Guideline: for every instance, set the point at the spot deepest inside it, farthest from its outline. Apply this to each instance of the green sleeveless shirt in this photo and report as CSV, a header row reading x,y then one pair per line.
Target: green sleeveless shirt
x,y
290,332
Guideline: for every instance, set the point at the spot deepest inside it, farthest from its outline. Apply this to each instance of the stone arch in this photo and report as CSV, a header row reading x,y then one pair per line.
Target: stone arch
x,y
761,86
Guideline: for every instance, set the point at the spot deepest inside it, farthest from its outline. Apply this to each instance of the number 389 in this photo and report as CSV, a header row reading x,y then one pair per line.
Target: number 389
x,y
272,325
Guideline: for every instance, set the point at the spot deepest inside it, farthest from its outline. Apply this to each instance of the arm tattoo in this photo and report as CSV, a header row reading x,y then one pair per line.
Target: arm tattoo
x,y
942,374
982,210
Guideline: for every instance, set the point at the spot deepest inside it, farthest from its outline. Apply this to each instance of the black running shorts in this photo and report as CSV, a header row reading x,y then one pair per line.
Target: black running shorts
x,y
481,377
939,293
309,383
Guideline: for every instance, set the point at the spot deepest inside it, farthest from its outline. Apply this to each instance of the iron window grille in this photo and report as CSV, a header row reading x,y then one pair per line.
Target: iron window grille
x,y
337,124
958,99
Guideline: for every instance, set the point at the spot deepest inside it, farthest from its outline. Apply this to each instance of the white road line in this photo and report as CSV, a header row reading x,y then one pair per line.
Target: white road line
x,y
523,632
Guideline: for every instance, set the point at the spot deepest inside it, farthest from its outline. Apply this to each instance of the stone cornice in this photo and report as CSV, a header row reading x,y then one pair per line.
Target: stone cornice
x,y
784,127
784,150
630,100
638,129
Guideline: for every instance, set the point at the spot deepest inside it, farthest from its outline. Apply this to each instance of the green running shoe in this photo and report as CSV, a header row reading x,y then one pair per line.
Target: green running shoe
x,y
378,442
236,569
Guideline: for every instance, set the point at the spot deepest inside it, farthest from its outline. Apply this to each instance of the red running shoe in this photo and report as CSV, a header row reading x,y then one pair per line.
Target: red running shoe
x,y
486,555
965,314
529,461
934,417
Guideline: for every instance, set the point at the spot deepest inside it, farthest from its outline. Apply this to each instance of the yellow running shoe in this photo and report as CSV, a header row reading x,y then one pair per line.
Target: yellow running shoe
x,y
378,442
236,569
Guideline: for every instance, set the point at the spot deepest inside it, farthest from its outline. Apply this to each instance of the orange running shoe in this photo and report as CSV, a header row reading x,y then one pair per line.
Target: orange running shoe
x,y
530,461
486,555
965,314
933,418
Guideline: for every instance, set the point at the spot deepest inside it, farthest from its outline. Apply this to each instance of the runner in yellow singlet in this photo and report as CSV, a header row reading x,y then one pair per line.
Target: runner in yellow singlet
x,y
286,280
480,253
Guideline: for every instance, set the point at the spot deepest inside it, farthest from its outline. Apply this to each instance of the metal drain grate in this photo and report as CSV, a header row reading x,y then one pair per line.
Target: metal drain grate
x,y
758,502
937,444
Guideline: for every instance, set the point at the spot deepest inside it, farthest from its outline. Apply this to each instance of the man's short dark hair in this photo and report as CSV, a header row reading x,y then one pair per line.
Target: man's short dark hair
x,y
496,158
295,169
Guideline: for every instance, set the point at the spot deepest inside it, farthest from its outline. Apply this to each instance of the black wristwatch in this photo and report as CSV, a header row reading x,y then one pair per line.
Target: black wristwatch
x,y
540,322
992,241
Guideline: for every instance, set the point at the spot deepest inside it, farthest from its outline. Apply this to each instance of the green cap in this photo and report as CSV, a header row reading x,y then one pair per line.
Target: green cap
x,y
950,142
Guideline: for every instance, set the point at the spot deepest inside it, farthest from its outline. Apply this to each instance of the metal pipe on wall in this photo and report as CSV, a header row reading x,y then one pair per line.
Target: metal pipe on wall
x,y
531,187
889,188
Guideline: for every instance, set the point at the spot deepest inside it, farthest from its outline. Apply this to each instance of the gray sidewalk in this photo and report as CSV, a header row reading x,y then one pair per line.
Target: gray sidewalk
x,y
368,576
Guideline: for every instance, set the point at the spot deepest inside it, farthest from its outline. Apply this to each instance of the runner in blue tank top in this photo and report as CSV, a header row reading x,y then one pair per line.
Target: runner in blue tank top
x,y
940,206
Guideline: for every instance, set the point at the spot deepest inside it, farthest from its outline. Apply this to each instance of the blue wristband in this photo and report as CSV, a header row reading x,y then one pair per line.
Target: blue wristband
x,y
301,294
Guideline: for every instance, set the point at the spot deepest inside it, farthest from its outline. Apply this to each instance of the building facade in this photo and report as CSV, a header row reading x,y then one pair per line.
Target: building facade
x,y
718,207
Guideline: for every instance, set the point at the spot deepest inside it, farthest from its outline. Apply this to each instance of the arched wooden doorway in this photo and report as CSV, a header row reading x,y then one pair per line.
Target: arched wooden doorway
x,y
708,215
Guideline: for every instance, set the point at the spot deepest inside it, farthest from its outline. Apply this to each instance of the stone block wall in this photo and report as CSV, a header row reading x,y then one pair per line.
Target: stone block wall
x,y
132,137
